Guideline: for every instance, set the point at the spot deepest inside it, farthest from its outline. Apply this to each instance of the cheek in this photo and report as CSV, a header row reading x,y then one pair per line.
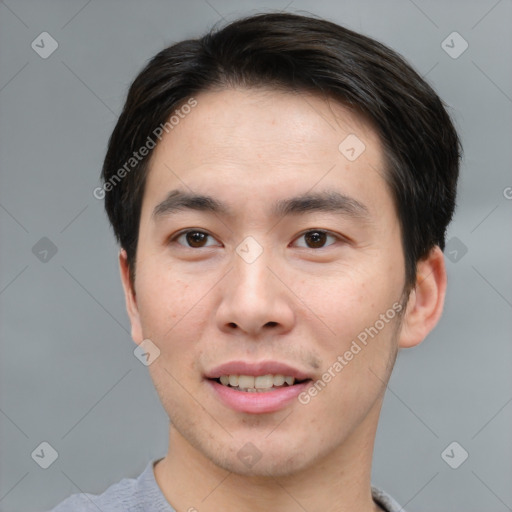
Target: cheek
x,y
344,302
170,310
349,309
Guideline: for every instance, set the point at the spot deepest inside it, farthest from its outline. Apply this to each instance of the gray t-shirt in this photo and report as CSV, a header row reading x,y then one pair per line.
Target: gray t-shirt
x,y
142,494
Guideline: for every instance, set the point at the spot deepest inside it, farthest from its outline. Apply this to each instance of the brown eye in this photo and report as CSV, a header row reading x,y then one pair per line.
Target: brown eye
x,y
316,239
194,239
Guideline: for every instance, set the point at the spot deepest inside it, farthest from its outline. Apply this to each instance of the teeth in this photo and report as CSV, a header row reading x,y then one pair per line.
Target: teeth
x,y
278,380
252,384
244,381
263,382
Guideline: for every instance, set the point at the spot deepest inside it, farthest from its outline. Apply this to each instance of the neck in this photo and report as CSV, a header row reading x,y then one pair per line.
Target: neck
x,y
339,482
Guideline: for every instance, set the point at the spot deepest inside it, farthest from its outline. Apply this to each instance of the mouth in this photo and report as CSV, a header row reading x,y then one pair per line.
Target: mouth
x,y
256,388
258,384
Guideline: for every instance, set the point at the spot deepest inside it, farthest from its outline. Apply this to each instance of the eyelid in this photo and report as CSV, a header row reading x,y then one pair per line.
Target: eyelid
x,y
338,237
175,236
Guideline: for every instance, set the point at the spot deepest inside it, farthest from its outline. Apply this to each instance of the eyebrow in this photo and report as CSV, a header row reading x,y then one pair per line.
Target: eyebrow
x,y
326,201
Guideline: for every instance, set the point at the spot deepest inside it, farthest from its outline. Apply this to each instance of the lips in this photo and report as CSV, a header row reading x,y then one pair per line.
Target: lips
x,y
257,369
275,385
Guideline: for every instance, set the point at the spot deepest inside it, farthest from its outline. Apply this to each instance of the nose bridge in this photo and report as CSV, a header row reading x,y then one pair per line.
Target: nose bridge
x,y
250,262
251,279
252,297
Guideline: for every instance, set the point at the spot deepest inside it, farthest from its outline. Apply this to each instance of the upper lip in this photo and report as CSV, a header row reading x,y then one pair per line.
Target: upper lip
x,y
256,369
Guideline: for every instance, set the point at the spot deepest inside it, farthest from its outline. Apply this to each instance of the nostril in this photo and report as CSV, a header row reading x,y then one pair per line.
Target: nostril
x,y
233,325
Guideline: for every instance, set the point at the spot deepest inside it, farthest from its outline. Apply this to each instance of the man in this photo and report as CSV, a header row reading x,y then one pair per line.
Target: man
x,y
280,189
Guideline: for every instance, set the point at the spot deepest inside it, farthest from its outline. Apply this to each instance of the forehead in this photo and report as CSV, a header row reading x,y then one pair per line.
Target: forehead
x,y
247,140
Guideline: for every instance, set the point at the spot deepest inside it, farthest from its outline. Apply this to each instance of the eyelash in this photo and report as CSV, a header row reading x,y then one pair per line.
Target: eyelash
x,y
323,231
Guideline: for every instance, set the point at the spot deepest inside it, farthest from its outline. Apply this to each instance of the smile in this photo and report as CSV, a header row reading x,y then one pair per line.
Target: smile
x,y
256,387
251,384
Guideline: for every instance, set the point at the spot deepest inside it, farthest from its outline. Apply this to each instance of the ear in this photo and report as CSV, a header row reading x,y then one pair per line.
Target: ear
x,y
426,300
130,298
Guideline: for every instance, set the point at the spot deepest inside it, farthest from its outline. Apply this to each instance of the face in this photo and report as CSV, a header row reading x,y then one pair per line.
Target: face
x,y
290,264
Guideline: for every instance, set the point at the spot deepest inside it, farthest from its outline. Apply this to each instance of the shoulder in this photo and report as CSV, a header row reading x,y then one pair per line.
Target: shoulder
x,y
385,501
118,497
127,495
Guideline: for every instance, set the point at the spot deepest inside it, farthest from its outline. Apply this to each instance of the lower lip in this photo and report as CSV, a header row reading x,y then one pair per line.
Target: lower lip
x,y
257,402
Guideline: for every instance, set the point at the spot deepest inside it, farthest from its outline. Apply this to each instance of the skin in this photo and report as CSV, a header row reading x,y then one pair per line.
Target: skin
x,y
303,306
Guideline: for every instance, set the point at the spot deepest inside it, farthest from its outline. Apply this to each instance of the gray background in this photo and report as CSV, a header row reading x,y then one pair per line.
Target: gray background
x,y
68,373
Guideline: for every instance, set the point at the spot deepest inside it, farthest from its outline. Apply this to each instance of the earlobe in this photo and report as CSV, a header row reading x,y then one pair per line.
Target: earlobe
x,y
426,300
130,298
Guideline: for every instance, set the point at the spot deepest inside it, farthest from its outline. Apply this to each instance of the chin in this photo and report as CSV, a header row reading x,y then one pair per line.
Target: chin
x,y
266,467
272,459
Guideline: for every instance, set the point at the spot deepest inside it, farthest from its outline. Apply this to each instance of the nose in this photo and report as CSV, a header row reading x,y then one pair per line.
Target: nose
x,y
254,301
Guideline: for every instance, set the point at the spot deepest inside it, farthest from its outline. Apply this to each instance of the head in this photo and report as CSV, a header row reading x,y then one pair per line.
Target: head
x,y
286,191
